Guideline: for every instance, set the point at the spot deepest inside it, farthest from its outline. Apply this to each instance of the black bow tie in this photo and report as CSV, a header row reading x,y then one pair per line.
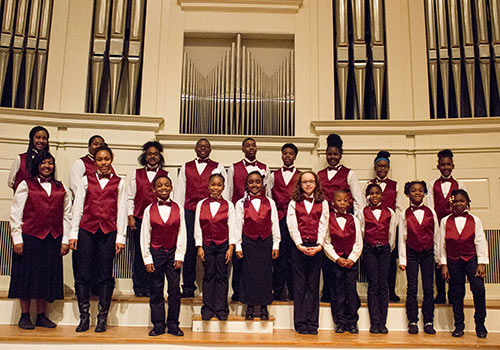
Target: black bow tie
x,y
202,160
45,179
104,176
290,169
415,208
443,179
336,168
167,203
379,181
464,214
151,169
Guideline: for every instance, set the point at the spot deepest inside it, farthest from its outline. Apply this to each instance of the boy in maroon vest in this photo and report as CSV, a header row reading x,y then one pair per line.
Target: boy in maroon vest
x,y
282,184
439,200
235,190
163,245
343,246
192,187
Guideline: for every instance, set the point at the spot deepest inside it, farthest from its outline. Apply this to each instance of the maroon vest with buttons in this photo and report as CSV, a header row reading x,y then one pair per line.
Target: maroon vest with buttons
x,y
101,205
377,231
420,237
389,193
144,194
342,240
90,167
196,184
214,228
442,204
338,182
460,245
43,214
308,223
239,178
282,193
164,234
257,224
22,173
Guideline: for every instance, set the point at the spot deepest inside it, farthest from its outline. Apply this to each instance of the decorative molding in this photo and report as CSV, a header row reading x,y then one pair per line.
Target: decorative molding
x,y
80,120
269,6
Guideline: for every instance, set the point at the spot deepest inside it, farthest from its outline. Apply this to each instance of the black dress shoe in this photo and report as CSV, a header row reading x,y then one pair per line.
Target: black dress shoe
x,y
25,322
303,331
84,324
249,314
413,328
313,331
374,329
353,328
264,314
187,295
383,329
429,328
102,324
176,331
481,331
222,317
235,297
206,317
457,333
43,321
394,298
339,329
156,331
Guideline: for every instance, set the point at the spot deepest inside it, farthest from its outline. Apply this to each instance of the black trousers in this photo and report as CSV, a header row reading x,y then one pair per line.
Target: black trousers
x,y
306,274
94,258
377,261
458,270
140,278
328,276
393,268
282,267
236,281
189,267
440,284
215,280
344,301
164,265
425,261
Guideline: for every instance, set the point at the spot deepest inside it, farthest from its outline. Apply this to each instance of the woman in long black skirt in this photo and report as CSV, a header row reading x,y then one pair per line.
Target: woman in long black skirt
x,y
40,217
257,222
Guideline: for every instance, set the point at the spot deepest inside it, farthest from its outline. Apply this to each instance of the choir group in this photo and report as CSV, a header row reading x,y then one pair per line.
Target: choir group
x,y
279,231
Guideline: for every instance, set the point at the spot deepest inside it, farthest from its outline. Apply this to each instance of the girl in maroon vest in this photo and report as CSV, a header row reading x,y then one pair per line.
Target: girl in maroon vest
x,y
391,198
192,187
333,178
163,246
418,243
98,232
378,224
140,195
439,200
343,246
464,252
307,220
40,218
257,223
20,170
86,164
215,237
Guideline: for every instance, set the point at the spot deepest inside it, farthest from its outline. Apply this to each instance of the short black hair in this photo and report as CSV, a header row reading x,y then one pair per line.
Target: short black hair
x,y
159,176
247,139
217,175
462,192
446,153
290,145
106,148
370,186
411,183
93,137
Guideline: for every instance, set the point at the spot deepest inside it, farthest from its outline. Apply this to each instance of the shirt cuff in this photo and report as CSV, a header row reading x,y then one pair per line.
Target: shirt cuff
x,y
402,261
485,261
238,247
276,245
148,260
179,256
121,239
65,240
17,239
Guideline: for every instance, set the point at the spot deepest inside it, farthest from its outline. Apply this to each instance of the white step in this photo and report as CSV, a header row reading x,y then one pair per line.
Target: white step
x,y
234,324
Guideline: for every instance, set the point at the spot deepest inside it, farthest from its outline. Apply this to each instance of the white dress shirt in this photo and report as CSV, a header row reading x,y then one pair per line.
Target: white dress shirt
x,y
445,188
403,234
240,218
400,197
13,171
180,188
132,188
229,188
17,211
479,238
121,214
293,226
214,208
164,210
354,187
393,224
357,248
77,172
287,176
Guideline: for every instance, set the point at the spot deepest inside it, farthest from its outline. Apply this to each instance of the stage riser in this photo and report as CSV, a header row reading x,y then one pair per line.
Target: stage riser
x,y
72,346
138,314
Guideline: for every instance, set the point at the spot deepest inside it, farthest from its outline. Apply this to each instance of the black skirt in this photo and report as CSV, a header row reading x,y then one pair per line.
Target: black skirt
x,y
257,271
38,273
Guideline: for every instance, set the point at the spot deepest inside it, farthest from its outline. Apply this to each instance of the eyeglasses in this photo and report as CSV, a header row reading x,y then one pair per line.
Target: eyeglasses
x,y
305,182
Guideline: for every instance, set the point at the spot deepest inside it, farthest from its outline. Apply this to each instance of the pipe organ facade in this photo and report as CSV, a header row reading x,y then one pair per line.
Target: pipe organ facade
x,y
463,35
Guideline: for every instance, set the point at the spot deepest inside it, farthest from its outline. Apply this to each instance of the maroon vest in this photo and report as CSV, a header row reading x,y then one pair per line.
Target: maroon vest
x,y
214,229
420,237
22,173
90,166
101,205
442,204
164,234
389,194
460,245
283,193
43,214
342,240
239,178
196,184
259,224
308,224
377,231
144,194
338,182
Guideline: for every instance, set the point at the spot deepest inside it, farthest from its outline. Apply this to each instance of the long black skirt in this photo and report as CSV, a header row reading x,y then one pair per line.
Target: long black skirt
x,y
257,271
38,273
